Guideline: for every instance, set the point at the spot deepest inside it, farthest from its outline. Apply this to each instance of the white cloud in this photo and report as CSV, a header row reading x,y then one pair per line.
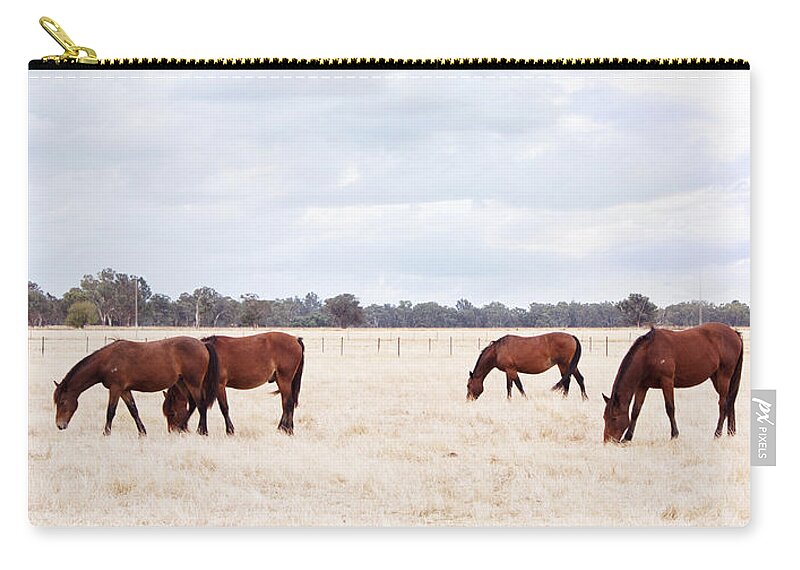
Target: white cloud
x,y
348,177
709,216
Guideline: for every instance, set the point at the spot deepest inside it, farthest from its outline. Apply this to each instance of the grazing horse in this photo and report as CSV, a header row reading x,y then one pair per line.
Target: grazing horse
x,y
667,359
125,366
529,355
246,363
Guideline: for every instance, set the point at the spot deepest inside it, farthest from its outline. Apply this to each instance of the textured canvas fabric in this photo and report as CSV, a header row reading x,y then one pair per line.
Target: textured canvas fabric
x,y
402,223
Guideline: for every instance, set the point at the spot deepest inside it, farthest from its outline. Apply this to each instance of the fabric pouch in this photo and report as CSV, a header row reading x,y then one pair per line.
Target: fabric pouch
x,y
449,284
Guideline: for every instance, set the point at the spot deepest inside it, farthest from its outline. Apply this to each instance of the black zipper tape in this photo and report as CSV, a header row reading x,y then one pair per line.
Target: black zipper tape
x,y
418,64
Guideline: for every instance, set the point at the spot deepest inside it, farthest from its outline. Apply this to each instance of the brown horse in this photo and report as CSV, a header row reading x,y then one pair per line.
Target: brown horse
x,y
667,359
125,366
246,363
529,355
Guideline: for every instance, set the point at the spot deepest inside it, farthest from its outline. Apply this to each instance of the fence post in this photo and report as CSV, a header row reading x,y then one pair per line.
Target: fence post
x,y
379,345
42,345
590,344
341,348
323,345
429,346
606,345
398,346
87,343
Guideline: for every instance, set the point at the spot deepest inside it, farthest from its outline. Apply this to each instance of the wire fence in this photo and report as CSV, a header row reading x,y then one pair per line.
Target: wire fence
x,y
395,343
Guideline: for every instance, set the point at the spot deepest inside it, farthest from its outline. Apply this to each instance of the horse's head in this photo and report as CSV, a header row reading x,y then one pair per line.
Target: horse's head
x,y
616,419
474,387
66,403
174,409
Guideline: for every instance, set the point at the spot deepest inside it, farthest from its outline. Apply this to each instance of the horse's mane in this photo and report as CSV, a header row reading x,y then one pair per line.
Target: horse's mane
x,y
60,388
492,344
626,362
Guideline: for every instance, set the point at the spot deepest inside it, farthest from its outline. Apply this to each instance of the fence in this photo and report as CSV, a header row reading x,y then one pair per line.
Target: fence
x,y
330,343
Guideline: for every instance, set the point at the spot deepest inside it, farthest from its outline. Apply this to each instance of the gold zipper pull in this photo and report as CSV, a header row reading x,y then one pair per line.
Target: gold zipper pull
x,y
72,52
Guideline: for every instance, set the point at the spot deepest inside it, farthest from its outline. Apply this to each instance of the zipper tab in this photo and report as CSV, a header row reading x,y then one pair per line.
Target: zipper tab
x,y
72,52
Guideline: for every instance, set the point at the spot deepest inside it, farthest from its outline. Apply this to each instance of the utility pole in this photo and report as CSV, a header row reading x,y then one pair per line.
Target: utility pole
x,y
136,304
700,317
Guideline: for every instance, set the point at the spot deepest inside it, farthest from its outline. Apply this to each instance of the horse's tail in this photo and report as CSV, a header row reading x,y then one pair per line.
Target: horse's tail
x,y
298,375
211,380
733,388
573,365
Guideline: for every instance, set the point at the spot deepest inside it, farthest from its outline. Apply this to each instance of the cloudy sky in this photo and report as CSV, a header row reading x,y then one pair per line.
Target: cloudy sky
x,y
421,185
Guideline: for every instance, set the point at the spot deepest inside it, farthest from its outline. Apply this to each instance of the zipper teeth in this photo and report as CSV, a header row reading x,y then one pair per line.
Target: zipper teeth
x,y
431,63
392,63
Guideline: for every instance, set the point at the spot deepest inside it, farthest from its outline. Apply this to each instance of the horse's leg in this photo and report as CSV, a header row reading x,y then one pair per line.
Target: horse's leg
x,y
563,384
722,385
518,383
512,379
202,425
222,397
287,400
113,399
192,406
668,388
579,378
184,425
638,401
127,397
732,421
196,395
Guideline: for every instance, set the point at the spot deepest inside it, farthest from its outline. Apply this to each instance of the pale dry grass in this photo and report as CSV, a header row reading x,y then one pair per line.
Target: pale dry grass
x,y
387,440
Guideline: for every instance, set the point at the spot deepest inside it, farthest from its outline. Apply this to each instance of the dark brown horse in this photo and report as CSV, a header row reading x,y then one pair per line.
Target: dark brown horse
x,y
246,363
125,366
529,355
667,360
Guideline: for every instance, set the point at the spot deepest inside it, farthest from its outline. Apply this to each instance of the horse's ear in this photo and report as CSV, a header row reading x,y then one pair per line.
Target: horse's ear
x,y
56,383
471,373
606,398
165,394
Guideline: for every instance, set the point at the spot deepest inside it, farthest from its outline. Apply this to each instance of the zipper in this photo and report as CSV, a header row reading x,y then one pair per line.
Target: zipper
x,y
75,56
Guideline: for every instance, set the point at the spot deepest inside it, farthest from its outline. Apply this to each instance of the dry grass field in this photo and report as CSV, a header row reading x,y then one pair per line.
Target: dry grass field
x,y
387,440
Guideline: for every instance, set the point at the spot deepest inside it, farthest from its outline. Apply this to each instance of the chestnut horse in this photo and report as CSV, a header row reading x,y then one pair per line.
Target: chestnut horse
x,y
529,355
667,360
246,363
125,366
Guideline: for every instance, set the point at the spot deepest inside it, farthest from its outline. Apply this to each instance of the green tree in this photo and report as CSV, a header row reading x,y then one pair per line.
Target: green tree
x,y
159,310
81,314
495,315
637,309
344,310
43,308
735,313
466,313
251,310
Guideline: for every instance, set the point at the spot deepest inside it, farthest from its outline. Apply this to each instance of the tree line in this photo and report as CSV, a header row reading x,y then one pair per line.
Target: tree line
x,y
118,299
